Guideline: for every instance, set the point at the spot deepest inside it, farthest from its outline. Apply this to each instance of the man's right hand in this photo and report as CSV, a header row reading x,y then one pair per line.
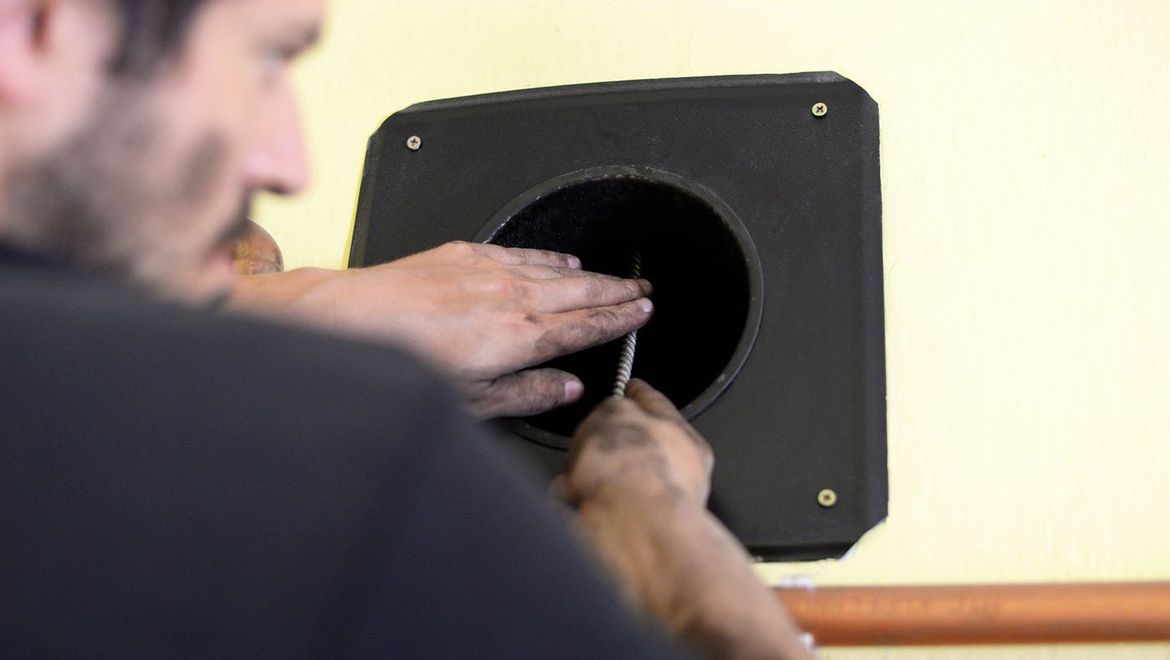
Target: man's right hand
x,y
641,440
639,475
485,313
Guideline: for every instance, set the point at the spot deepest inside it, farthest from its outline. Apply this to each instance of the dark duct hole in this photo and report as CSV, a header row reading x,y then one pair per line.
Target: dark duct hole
x,y
698,260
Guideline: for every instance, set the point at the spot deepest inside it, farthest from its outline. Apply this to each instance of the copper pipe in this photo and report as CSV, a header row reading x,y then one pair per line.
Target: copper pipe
x,y
1003,614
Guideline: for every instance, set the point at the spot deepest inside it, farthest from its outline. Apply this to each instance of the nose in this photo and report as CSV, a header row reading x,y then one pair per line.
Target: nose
x,y
278,161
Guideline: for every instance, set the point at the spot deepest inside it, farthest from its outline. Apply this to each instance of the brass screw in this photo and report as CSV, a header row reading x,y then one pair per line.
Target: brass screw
x,y
827,498
820,109
414,143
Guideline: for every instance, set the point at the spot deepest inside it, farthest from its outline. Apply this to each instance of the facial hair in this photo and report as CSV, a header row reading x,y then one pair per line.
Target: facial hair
x,y
97,202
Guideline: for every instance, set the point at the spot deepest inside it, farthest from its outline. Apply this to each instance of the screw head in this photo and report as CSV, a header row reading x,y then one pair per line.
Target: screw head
x,y
827,498
414,143
820,109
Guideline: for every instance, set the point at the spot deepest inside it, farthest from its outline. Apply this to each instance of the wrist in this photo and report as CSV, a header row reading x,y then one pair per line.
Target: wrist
x,y
681,564
276,290
635,524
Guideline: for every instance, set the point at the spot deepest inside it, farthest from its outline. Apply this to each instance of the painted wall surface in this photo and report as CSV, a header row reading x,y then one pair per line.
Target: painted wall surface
x,y
1026,177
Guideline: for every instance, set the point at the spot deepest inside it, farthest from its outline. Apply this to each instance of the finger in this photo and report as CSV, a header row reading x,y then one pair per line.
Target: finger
x,y
659,405
541,273
525,256
527,393
652,401
570,332
585,291
602,415
557,272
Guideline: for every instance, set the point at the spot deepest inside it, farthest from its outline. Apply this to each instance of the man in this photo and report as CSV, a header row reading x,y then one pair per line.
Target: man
x,y
176,482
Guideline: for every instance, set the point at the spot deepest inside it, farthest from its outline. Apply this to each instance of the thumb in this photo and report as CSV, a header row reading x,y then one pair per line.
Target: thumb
x,y
527,392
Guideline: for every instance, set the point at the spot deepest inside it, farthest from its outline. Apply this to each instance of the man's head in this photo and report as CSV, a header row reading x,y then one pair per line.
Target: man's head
x,y
133,133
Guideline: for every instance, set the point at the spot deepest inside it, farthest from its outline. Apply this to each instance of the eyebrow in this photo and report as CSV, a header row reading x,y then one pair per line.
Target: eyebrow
x,y
300,38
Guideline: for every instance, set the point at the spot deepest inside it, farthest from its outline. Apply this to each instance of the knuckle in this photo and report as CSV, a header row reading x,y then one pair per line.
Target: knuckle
x,y
700,443
547,392
607,320
521,291
530,256
460,248
505,287
596,289
707,452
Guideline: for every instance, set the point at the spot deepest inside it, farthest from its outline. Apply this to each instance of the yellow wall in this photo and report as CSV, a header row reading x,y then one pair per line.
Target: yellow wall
x,y
1026,174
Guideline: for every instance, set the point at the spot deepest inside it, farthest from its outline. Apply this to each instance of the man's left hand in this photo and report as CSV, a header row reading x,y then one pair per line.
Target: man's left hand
x,y
484,313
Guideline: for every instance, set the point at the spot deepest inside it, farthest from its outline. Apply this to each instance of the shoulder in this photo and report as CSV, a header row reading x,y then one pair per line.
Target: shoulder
x,y
108,348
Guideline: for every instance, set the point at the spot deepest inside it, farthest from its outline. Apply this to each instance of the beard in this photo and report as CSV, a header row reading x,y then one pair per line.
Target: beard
x,y
99,200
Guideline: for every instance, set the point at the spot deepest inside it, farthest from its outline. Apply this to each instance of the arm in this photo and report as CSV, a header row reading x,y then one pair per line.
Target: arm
x,y
640,477
484,313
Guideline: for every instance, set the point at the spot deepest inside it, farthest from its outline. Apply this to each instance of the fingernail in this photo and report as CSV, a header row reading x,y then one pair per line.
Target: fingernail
x,y
646,305
573,390
574,262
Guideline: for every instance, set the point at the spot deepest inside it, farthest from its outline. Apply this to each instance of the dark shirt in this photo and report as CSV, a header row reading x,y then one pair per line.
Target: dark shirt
x,y
178,483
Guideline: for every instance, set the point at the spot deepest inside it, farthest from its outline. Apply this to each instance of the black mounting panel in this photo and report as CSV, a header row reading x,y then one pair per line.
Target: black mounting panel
x,y
799,407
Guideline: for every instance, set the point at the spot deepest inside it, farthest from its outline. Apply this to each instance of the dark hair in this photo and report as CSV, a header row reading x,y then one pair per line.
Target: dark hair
x,y
150,31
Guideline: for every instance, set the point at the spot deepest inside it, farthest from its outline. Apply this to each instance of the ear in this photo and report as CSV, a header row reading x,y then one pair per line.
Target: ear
x,y
24,30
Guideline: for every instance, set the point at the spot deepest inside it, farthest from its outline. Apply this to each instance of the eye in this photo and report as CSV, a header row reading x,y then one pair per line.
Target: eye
x,y
282,54
272,65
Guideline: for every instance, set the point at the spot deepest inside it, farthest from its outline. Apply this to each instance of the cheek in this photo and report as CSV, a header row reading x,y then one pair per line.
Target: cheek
x,y
199,160
214,105
205,170
206,192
